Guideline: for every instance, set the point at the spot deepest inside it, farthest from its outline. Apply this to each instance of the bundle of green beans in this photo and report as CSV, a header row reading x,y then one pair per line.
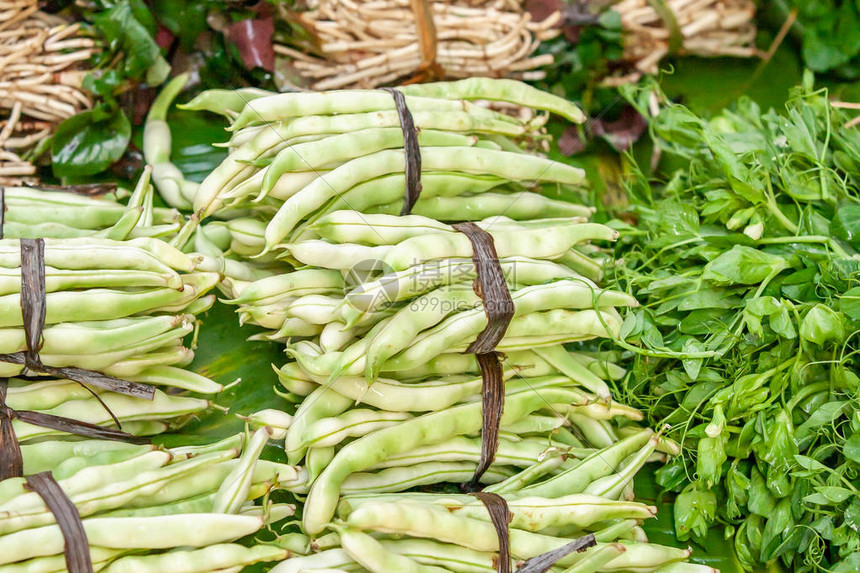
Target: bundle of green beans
x,y
551,501
298,156
34,213
119,300
145,509
118,307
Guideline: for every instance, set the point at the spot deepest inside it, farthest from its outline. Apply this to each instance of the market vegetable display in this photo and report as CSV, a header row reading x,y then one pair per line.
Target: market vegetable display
x,y
745,262
137,501
377,308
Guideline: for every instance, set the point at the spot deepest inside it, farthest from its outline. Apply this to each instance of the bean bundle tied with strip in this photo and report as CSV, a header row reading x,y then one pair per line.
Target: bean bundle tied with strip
x,y
119,304
146,509
380,307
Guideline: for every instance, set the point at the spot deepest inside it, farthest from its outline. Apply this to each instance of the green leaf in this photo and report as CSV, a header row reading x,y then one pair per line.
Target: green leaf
x,y
851,448
846,224
89,142
834,494
809,463
822,324
124,26
694,511
743,265
782,324
849,303
692,366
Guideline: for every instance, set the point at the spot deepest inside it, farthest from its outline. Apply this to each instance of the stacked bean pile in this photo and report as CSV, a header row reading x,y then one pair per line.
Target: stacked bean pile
x,y
137,501
119,301
377,310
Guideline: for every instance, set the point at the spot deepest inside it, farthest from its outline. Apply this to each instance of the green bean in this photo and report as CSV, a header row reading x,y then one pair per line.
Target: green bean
x,y
324,559
357,422
198,561
337,149
371,554
177,378
335,336
275,420
298,283
601,463
613,486
534,243
90,253
170,181
315,308
59,279
394,396
195,530
469,160
402,478
427,429
534,424
234,491
423,313
320,404
57,563
506,90
598,432
582,264
224,102
607,411
551,461
523,205
283,106
251,189
316,459
561,359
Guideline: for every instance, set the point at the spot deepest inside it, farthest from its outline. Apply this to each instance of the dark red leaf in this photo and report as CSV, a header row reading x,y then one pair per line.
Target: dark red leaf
x,y
253,37
624,131
571,142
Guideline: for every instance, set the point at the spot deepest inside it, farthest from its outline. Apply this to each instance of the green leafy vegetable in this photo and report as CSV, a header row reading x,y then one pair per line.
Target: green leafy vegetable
x,y
746,342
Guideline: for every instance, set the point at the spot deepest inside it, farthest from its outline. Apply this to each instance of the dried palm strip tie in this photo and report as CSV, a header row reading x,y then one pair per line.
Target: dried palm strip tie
x,y
33,309
367,44
491,287
77,548
654,29
543,562
501,518
41,75
411,150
